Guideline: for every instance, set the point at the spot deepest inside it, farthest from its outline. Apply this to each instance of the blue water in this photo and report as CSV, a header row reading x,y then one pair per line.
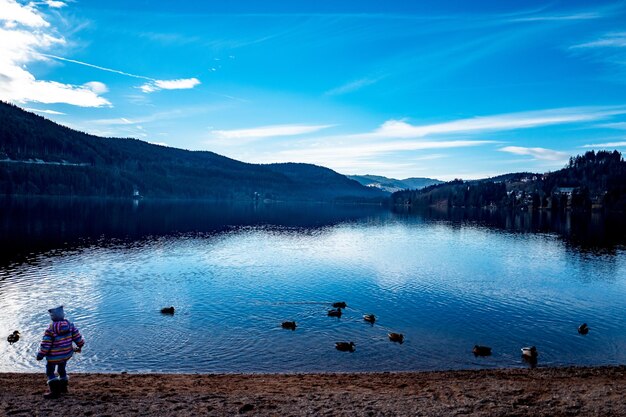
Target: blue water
x,y
445,284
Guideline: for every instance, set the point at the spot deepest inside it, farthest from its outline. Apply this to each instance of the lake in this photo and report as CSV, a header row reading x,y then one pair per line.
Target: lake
x,y
234,272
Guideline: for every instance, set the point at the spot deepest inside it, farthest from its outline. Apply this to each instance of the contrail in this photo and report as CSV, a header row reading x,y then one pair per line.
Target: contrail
x,y
97,67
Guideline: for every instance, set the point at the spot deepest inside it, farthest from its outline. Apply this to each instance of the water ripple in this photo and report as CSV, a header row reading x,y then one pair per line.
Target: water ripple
x,y
444,287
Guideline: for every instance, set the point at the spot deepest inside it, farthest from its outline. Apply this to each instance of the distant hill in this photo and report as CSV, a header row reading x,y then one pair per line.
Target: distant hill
x,y
589,181
40,157
392,185
512,177
324,181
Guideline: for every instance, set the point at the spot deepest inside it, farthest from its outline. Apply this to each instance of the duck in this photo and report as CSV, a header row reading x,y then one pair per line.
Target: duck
x,y
530,352
583,328
479,350
340,304
345,346
167,310
370,318
13,337
529,355
289,325
396,337
335,313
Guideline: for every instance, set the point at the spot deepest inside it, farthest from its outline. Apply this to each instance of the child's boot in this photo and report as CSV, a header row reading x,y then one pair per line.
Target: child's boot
x,y
64,382
54,385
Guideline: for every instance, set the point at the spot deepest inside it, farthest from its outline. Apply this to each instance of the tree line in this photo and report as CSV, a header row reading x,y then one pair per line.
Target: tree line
x,y
592,180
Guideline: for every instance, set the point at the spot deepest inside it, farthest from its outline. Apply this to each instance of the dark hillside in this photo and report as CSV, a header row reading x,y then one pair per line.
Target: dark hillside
x,y
589,181
323,181
40,157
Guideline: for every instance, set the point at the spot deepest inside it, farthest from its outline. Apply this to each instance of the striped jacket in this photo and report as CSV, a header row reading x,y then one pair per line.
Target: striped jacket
x,y
56,345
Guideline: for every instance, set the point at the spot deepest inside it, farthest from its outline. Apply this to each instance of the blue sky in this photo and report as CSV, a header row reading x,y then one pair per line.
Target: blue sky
x,y
402,89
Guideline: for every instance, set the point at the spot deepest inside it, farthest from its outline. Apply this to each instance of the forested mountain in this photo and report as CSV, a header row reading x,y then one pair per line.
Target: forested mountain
x,y
40,157
324,180
391,184
593,180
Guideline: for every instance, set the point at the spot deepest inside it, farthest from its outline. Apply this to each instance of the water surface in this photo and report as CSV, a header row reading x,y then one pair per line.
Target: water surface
x,y
446,281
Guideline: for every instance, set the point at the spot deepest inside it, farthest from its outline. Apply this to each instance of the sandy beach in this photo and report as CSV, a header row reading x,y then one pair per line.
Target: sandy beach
x,y
598,391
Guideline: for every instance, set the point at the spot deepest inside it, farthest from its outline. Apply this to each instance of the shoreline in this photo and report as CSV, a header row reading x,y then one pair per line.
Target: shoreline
x,y
487,392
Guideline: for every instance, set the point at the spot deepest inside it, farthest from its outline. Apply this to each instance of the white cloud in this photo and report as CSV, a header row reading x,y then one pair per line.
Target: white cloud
x,y
608,49
151,86
138,124
23,39
429,157
467,175
13,13
148,88
390,169
97,87
617,125
375,149
159,143
399,140
18,85
55,4
353,86
610,40
360,157
510,121
605,145
180,84
538,153
120,121
268,131
399,136
54,112
146,119
562,17
86,64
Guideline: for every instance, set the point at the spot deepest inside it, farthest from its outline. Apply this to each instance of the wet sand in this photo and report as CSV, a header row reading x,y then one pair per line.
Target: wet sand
x,y
598,391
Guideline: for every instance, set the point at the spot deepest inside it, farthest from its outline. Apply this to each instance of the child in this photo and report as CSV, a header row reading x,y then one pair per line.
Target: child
x,y
56,347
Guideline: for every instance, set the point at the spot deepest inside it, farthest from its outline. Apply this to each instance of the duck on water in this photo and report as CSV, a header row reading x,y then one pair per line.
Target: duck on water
x,y
167,310
289,325
396,337
345,346
479,350
13,337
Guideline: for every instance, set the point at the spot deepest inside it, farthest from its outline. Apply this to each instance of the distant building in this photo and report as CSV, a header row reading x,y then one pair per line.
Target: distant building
x,y
568,191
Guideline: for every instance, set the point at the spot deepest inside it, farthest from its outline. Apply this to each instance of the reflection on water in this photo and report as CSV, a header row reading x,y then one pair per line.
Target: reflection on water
x,y
447,281
586,231
29,226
